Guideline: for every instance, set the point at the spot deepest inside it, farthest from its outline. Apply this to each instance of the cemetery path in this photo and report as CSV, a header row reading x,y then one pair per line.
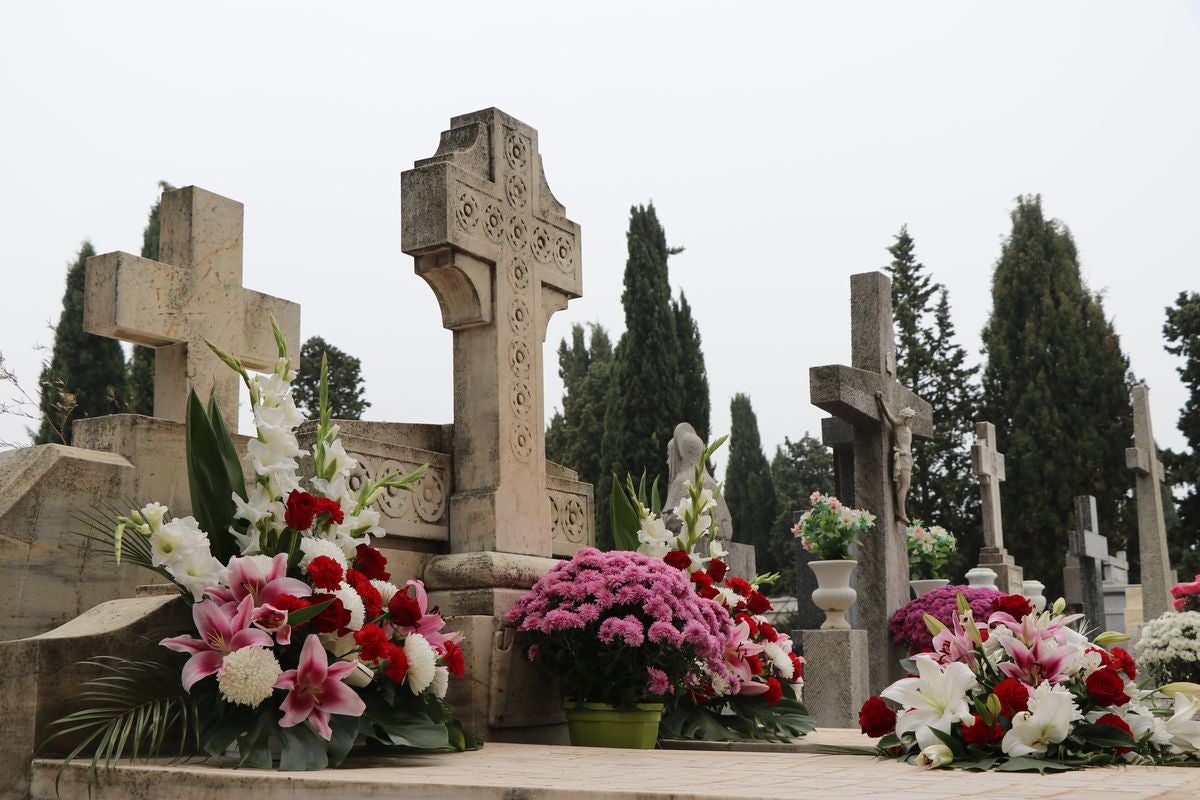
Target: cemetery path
x,y
536,772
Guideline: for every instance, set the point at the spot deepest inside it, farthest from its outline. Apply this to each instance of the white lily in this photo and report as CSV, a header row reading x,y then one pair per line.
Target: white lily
x,y
936,699
1051,711
1182,725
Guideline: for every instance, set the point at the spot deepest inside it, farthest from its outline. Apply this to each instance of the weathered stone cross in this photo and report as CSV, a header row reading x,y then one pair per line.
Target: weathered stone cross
x,y
1142,458
194,293
497,249
988,465
849,394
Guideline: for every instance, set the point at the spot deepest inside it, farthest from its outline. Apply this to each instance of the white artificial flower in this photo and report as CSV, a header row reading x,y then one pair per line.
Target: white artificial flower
x,y
198,571
727,597
386,590
335,454
654,539
154,513
779,659
422,662
173,542
441,682
1182,726
847,518
352,602
312,547
248,676
258,506
707,501
1048,721
937,698
716,549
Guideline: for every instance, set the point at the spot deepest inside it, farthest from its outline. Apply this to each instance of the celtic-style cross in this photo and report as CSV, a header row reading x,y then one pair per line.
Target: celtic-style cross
x,y
501,256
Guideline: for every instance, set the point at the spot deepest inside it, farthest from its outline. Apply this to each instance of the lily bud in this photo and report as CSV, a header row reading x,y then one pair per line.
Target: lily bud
x,y
934,756
1181,687
1109,638
1060,605
934,624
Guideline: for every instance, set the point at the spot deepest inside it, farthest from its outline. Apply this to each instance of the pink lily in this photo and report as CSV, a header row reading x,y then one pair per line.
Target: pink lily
x,y
1036,627
247,579
737,647
428,625
315,690
223,628
1044,661
273,621
954,645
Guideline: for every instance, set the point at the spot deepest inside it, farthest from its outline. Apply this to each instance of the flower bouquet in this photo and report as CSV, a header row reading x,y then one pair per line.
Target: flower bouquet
x,y
929,547
1023,691
299,638
757,695
907,626
1169,649
1187,595
829,529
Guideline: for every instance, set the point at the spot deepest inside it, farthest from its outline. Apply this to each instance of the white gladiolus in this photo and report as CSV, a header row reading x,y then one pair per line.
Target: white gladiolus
x,y
154,513
173,542
198,571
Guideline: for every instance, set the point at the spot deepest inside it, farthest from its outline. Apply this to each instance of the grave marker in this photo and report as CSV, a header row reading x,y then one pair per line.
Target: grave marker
x,y
1142,458
988,465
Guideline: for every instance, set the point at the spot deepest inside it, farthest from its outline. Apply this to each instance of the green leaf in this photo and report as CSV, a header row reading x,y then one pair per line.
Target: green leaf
x,y
345,731
300,616
956,746
1039,765
1103,736
301,749
225,445
655,498
626,521
208,480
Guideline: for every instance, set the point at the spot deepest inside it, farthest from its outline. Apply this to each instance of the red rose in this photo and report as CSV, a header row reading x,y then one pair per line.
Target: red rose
x,y
797,667
769,633
454,660
1123,661
758,603
751,623
981,733
755,665
876,718
740,586
701,580
679,560
1113,721
1013,696
774,691
1106,687
334,617
717,569
372,599
325,573
405,610
301,508
397,666
1013,604
331,507
372,641
371,562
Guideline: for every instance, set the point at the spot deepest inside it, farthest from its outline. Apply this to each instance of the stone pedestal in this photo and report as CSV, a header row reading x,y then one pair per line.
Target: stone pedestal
x,y
1009,576
836,675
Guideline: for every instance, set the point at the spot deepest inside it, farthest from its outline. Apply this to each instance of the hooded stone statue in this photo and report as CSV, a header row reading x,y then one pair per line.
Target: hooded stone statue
x,y
683,454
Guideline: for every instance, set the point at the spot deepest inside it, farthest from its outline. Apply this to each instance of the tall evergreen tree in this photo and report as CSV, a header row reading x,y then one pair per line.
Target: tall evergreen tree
x,y
692,373
798,469
1056,387
645,394
139,381
85,373
749,488
574,435
1182,332
345,381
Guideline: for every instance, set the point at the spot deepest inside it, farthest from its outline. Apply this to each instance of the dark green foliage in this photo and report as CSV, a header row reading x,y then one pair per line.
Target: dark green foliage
x,y
645,393
1182,332
214,473
574,436
798,469
749,489
692,373
85,374
1056,387
139,372
930,363
345,381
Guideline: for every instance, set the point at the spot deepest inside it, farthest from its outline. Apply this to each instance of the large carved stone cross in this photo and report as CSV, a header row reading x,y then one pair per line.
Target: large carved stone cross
x,y
194,293
501,256
1142,458
849,394
987,463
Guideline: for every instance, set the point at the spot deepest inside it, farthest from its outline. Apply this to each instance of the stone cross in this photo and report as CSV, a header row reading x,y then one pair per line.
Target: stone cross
x,y
1142,458
849,394
988,465
194,292
501,256
1083,575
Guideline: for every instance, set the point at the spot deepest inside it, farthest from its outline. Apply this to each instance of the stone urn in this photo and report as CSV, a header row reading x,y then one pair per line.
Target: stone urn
x,y
981,576
922,586
833,594
1032,590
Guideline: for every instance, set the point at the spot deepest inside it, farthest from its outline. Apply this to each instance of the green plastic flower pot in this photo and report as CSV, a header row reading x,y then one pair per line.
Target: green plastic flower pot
x,y
601,725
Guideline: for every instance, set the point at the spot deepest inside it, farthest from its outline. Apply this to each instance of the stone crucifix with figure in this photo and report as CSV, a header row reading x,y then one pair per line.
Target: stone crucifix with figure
x,y
987,462
194,292
866,394
1142,459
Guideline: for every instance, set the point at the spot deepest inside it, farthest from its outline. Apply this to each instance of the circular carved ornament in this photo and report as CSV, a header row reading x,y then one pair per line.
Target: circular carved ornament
x,y
518,233
541,244
518,273
517,192
394,502
522,441
493,223
429,497
572,521
516,150
519,316
564,254
521,398
467,211
554,514
520,361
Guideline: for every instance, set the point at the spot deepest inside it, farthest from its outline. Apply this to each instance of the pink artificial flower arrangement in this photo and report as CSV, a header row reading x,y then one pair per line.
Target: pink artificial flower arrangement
x,y
1187,595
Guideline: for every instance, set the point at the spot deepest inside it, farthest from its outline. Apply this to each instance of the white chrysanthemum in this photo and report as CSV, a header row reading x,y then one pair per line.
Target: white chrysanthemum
x,y
779,659
313,547
176,540
386,590
441,682
721,686
248,676
422,662
352,603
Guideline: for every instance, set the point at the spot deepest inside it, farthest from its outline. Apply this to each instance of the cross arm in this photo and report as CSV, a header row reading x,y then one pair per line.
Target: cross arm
x,y
849,394
258,349
129,298
1139,460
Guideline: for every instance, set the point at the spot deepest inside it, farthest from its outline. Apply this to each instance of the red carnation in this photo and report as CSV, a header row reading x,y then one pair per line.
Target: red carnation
x,y
1106,687
404,609
768,631
289,602
334,617
397,666
325,573
371,562
774,691
717,569
1013,604
709,592
1123,661
372,641
755,664
876,718
372,599
701,580
981,733
301,508
454,660
740,586
1013,696
797,667
331,507
679,560
758,603
1113,721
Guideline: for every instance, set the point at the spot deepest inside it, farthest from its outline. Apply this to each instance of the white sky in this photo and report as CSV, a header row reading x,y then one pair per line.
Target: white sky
x,y
783,144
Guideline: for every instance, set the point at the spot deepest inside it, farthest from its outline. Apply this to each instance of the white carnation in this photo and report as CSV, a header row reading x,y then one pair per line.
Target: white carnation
x,y
313,547
422,662
386,590
441,682
352,603
248,676
779,659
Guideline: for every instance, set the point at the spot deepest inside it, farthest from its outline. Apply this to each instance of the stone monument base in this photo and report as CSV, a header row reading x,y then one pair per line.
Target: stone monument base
x,y
1008,575
741,560
836,677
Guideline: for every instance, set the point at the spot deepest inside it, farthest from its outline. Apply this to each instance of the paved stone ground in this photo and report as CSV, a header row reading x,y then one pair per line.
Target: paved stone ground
x,y
532,772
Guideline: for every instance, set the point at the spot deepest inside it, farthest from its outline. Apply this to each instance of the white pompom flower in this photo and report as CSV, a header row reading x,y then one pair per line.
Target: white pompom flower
x,y
386,590
352,603
441,682
248,676
313,547
422,662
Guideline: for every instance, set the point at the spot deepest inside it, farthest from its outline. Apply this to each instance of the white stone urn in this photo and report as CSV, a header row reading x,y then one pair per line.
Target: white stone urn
x,y
1033,593
833,594
981,576
922,586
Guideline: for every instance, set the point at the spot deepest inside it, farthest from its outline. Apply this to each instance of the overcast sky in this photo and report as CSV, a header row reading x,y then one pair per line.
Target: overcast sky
x,y
783,145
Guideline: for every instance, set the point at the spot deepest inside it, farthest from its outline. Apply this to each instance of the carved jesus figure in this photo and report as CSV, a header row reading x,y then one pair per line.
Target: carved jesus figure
x,y
902,458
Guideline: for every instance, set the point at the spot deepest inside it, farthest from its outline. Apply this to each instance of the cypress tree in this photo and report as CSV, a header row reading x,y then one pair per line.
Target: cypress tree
x,y
645,394
139,380
749,488
345,381
797,470
692,373
1182,332
1056,387
85,373
574,436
